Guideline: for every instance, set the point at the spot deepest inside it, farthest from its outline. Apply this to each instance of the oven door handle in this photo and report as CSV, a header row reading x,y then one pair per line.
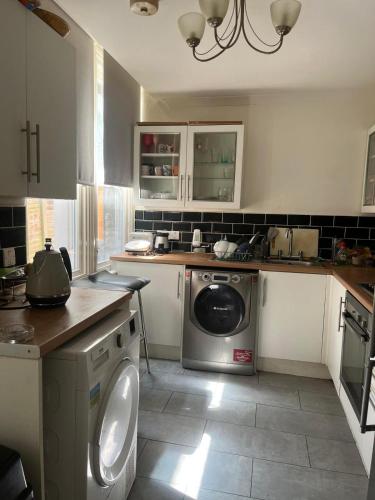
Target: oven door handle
x,y
365,337
366,397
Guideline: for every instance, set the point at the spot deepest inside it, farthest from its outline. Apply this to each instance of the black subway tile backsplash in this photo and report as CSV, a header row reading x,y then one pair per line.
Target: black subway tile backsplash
x,y
254,218
13,232
298,220
233,217
276,219
192,216
222,228
357,231
152,215
366,221
322,220
143,225
212,217
243,228
6,217
162,226
182,226
345,221
172,216
333,232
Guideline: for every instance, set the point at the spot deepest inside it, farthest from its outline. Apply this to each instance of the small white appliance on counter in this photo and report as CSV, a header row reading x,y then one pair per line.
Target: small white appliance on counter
x,y
90,394
140,243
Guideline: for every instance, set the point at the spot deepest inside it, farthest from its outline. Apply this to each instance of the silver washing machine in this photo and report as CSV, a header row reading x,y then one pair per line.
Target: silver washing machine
x,y
220,321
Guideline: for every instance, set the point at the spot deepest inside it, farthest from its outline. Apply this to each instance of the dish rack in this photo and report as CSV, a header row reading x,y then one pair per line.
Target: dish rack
x,y
235,257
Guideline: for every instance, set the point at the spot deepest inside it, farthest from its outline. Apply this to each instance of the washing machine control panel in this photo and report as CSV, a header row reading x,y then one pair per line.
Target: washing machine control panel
x,y
217,277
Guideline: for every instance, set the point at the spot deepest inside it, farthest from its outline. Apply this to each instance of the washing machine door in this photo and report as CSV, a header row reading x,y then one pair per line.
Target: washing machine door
x,y
116,424
219,310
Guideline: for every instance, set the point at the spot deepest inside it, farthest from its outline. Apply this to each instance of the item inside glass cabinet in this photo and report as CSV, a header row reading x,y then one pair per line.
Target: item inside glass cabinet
x,y
159,165
214,166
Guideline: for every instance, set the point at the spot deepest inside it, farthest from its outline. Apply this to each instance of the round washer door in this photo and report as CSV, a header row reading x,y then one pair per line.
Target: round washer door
x,y
219,309
116,424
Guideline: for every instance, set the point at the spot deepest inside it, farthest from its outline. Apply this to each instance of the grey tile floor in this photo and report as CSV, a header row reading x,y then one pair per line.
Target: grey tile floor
x,y
209,436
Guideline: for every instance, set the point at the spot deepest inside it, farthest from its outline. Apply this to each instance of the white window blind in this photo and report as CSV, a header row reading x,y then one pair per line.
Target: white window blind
x,y
121,105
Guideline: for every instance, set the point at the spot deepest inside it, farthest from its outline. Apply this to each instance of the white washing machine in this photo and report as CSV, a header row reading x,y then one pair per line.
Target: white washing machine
x,y
90,407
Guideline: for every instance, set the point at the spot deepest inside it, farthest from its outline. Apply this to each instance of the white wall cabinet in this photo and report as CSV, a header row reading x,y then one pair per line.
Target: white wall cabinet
x,y
162,299
334,329
368,197
38,108
291,316
192,166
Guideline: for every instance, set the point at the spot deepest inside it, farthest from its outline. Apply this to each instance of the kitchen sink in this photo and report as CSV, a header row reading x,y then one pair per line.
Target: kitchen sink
x,y
290,262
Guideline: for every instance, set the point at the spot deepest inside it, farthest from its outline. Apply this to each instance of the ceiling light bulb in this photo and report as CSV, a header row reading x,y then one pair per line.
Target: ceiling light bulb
x,y
214,10
192,27
284,14
144,7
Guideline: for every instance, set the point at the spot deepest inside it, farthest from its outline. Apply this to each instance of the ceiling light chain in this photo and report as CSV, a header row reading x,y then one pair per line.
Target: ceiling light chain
x,y
284,14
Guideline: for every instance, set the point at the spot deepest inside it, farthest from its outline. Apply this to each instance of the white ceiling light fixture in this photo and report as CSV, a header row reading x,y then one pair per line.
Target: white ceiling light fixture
x,y
284,15
143,7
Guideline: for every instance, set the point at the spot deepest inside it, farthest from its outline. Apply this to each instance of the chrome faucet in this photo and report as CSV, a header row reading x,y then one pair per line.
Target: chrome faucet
x,y
289,235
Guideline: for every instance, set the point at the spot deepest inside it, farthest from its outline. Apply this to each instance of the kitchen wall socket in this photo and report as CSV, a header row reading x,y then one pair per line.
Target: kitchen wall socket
x,y
9,257
174,235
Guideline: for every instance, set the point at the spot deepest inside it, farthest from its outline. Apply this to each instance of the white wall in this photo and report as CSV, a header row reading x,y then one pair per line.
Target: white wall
x,y
304,152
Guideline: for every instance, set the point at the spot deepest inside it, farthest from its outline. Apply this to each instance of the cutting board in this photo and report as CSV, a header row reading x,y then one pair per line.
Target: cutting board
x,y
306,240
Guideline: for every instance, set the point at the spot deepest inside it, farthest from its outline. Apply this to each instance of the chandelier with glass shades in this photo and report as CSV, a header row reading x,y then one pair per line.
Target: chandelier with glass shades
x,y
284,15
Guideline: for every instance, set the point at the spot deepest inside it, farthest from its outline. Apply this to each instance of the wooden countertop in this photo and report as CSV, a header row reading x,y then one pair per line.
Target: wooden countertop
x,y
54,327
349,276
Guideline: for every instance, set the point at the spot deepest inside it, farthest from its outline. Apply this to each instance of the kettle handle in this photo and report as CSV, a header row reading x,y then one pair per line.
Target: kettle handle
x,y
67,262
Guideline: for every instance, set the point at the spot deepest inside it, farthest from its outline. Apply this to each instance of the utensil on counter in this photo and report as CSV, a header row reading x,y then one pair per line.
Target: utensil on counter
x,y
197,238
54,21
17,333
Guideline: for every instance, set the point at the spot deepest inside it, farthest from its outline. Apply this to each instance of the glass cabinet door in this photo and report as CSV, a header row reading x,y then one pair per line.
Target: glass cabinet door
x,y
214,158
160,165
369,191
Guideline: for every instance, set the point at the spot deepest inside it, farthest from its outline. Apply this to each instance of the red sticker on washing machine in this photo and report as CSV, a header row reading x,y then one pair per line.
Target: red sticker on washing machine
x,y
243,355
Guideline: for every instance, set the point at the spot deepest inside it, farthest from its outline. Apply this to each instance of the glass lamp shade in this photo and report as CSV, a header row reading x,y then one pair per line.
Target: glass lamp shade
x,y
191,25
285,13
214,8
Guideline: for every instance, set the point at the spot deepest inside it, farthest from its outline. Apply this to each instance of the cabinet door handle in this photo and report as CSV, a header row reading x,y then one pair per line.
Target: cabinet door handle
x,y
178,285
342,302
373,193
188,179
27,130
181,185
37,139
264,294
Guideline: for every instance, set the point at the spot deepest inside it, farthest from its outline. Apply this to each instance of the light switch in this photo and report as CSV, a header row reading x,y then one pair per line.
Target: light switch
x,y
9,257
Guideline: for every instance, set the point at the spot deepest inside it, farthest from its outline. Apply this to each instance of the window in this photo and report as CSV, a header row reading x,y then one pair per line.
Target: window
x,y
112,201
95,226
55,219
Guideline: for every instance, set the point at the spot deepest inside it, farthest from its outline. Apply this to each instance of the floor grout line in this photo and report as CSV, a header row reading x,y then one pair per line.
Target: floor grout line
x,y
166,404
307,449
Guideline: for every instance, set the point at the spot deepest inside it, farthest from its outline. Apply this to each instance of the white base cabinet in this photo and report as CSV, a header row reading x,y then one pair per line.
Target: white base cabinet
x,y
334,329
291,316
162,299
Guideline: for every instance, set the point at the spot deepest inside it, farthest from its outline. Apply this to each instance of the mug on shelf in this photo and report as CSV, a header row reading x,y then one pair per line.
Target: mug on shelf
x,y
146,170
176,170
167,170
159,170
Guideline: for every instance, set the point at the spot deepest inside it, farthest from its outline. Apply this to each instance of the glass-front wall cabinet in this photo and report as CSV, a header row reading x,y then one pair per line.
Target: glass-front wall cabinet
x,y
189,166
160,155
369,181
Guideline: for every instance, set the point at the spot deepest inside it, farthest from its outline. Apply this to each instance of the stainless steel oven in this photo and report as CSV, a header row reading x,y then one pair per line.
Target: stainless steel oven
x,y
358,359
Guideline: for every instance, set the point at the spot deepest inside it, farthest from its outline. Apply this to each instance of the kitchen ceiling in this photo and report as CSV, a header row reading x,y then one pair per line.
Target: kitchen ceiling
x,y
330,47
